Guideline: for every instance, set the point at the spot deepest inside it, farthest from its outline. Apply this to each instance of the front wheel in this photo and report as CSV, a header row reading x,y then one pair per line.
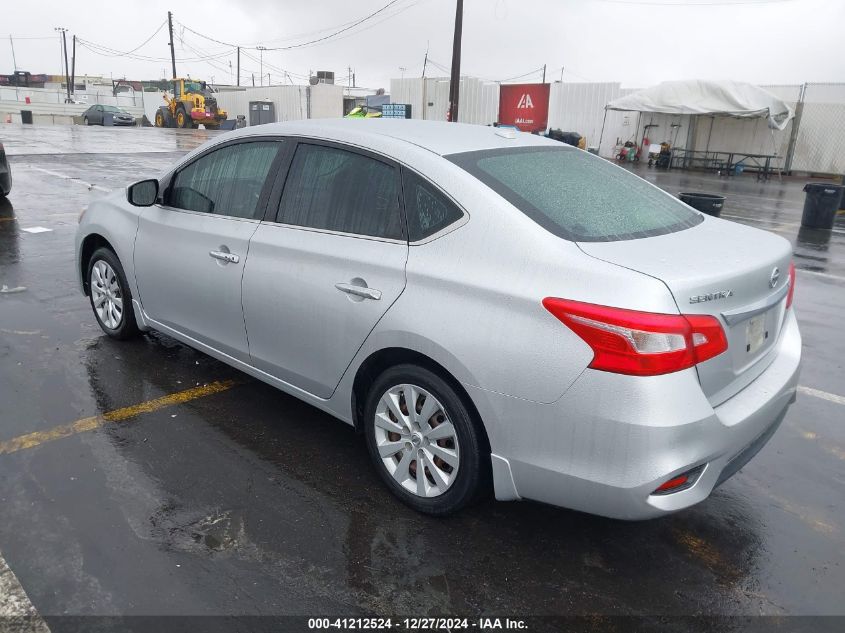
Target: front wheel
x,y
110,297
423,440
183,120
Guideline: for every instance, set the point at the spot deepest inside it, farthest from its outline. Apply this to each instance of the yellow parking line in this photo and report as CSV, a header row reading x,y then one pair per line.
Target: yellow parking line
x,y
37,438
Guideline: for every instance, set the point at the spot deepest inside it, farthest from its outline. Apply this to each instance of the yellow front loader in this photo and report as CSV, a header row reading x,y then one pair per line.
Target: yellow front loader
x,y
193,103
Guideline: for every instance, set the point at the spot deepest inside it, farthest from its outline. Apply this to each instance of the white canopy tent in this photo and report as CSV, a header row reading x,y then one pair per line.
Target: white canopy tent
x,y
710,98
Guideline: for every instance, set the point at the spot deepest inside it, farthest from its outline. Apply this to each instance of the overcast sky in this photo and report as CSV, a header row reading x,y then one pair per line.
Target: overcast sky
x,y
637,42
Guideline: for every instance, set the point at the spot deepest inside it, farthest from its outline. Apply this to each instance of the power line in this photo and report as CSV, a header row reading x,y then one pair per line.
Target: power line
x,y
343,30
17,37
142,44
105,51
528,74
347,27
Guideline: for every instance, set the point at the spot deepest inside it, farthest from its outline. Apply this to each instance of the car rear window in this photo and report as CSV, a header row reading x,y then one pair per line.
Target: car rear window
x,y
576,195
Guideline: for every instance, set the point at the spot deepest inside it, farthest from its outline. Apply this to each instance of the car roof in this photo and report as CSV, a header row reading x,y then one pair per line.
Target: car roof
x,y
439,137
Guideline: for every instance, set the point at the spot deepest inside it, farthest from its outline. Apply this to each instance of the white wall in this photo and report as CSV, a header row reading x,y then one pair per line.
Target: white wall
x,y
479,100
325,101
46,108
290,101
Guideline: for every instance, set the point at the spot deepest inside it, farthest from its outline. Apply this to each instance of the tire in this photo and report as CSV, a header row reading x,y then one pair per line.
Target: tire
x,y
159,119
185,118
456,484
85,120
104,265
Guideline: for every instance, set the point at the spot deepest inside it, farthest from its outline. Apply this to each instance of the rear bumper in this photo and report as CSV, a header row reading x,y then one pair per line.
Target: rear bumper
x,y
611,440
200,116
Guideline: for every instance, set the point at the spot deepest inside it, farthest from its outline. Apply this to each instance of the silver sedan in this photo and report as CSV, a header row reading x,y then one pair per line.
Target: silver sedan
x,y
495,311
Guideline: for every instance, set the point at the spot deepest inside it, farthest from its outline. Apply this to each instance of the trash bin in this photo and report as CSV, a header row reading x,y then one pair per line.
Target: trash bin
x,y
26,116
709,203
821,204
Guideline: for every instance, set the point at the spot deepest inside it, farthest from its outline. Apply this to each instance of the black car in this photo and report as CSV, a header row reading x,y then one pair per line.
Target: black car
x,y
5,173
96,115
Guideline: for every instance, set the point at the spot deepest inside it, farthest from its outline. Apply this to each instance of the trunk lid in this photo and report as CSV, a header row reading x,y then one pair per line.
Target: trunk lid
x,y
725,270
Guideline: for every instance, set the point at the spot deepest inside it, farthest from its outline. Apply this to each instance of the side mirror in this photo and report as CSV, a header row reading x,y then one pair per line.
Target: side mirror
x,y
143,193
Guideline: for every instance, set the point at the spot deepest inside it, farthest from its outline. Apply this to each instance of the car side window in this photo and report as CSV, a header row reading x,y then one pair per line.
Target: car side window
x,y
337,190
427,209
228,181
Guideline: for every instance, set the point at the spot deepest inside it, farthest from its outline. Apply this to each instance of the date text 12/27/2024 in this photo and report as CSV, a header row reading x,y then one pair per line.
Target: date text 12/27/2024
x,y
418,624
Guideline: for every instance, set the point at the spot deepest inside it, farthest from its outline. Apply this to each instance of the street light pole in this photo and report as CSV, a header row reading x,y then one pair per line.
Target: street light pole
x,y
261,50
455,83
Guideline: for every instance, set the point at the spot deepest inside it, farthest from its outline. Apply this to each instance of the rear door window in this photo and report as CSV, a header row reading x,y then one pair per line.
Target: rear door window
x,y
576,195
333,189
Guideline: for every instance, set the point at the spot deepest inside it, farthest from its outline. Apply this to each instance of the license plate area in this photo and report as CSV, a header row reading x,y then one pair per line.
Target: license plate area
x,y
756,333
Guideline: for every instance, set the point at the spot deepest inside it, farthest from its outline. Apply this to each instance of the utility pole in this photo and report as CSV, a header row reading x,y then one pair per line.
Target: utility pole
x,y
261,50
12,44
239,65
253,80
231,74
544,73
269,83
73,69
172,51
455,83
425,62
63,30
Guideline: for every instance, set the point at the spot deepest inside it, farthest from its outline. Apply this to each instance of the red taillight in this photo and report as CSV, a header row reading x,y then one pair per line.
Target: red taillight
x,y
640,343
680,482
791,292
675,482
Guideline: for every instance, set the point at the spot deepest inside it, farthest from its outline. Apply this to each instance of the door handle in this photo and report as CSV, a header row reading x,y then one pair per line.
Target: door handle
x,y
223,256
359,291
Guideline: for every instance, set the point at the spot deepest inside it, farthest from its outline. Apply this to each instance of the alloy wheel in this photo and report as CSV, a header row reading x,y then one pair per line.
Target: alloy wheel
x,y
416,440
106,294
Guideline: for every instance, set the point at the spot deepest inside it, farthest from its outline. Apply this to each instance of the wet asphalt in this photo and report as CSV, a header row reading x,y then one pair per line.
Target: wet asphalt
x,y
251,502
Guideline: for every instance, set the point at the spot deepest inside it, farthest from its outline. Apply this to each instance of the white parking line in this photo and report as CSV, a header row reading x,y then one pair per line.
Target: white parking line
x,y
820,274
824,395
72,178
16,609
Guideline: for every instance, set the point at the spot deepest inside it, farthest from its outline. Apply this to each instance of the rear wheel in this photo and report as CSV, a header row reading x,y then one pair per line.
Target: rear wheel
x,y
423,440
110,297
85,120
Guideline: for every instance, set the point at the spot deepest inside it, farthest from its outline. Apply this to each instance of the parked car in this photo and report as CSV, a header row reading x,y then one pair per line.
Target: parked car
x,y
489,308
96,114
5,173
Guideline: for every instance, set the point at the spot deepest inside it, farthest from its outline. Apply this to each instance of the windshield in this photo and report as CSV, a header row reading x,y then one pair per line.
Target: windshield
x,y
107,108
193,86
576,195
